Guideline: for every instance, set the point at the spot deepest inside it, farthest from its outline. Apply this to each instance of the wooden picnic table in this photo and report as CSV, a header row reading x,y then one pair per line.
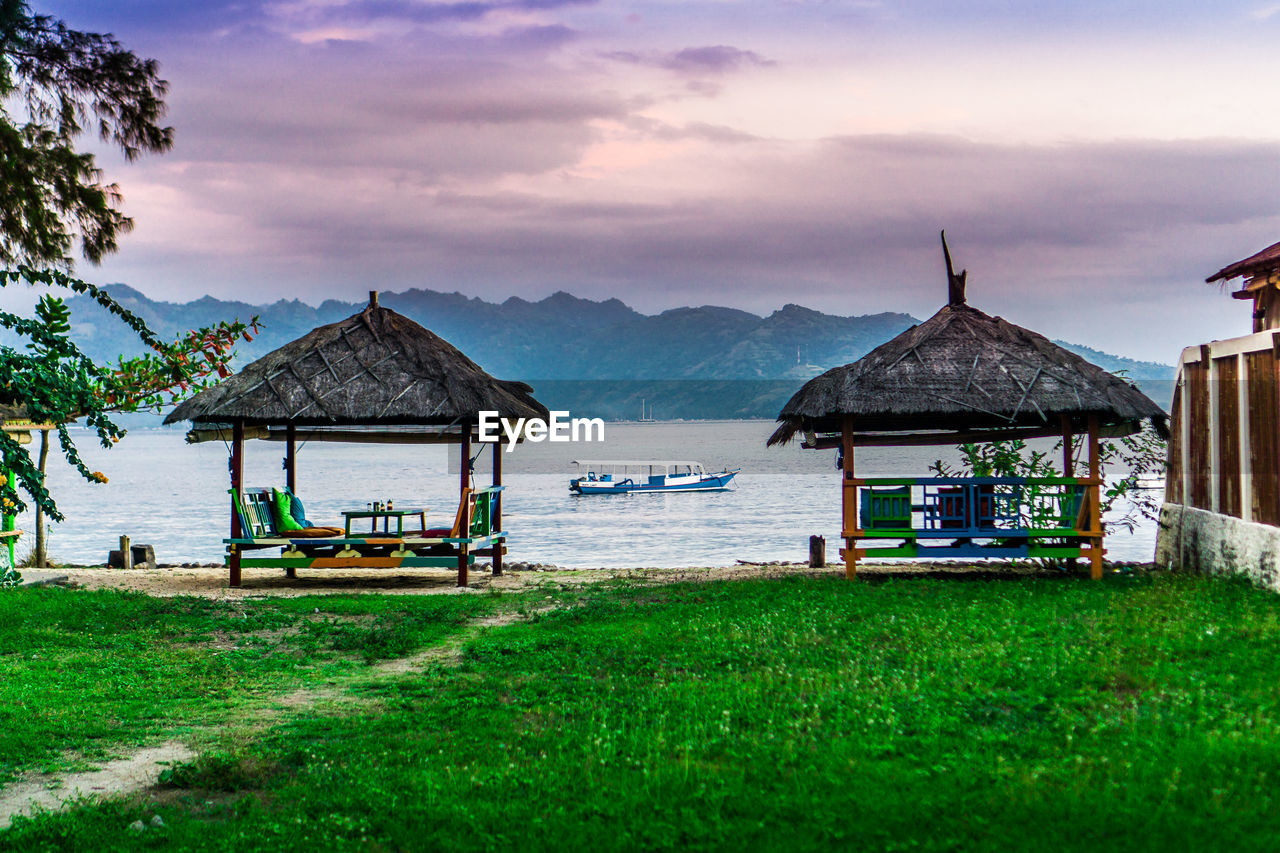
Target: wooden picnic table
x,y
386,515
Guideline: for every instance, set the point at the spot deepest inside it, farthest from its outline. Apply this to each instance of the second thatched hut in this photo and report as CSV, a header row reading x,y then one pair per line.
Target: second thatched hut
x,y
963,376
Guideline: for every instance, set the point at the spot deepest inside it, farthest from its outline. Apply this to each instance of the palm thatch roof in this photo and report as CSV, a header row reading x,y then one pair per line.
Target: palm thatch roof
x,y
963,370
376,367
1268,258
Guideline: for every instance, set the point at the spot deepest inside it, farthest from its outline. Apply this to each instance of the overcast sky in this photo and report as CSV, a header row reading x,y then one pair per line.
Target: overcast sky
x,y
1091,161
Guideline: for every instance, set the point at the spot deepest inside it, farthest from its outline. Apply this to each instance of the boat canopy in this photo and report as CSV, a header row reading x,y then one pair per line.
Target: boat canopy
x,y
665,467
634,463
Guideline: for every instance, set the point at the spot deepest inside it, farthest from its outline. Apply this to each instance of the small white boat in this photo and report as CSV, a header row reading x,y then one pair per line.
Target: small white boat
x,y
618,477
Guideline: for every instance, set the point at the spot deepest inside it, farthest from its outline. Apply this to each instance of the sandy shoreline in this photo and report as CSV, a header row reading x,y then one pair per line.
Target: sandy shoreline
x,y
255,582
212,582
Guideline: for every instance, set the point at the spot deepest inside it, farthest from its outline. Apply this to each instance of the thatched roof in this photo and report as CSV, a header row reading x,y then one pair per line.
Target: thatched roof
x,y
963,370
375,367
1268,258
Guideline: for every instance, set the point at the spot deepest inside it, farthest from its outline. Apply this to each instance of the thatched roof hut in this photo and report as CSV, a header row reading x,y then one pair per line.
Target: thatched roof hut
x,y
377,376
374,368
959,372
963,370
963,376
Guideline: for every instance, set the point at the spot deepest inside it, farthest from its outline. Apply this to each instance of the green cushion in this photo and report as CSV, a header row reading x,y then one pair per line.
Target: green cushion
x,y
280,502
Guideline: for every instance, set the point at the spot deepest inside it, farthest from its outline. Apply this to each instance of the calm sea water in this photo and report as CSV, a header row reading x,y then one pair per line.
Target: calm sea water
x,y
172,495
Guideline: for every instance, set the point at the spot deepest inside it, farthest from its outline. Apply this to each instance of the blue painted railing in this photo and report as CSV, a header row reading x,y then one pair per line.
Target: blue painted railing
x,y
982,516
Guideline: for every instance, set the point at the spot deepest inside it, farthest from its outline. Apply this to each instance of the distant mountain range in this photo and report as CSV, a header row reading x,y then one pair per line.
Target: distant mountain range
x,y
561,337
598,359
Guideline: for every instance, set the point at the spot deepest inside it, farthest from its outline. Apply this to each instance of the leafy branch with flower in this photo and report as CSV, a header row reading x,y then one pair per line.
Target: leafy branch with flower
x,y
56,84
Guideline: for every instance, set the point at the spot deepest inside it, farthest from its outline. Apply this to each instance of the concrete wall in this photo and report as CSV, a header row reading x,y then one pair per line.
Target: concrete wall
x,y
1197,540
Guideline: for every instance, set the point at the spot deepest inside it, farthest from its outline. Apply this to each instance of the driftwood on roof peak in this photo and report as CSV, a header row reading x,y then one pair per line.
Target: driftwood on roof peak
x,y
955,283
375,367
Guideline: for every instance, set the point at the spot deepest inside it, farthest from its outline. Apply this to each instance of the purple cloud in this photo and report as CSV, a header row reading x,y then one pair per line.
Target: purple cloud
x,y
482,144
850,223
412,11
712,59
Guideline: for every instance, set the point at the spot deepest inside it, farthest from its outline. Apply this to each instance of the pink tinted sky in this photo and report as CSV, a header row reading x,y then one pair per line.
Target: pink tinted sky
x,y
1092,161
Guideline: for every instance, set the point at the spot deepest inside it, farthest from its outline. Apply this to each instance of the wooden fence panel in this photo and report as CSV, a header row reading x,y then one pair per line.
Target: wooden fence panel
x,y
1197,402
1227,433
1264,443
1173,462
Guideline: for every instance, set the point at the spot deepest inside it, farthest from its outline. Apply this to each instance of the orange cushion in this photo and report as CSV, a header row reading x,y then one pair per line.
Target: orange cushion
x,y
317,533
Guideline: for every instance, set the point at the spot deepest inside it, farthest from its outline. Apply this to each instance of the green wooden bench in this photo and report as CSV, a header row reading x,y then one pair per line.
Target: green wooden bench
x,y
330,548
973,517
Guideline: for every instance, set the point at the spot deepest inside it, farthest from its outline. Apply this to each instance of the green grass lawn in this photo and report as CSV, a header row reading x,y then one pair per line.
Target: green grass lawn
x,y
1137,713
86,673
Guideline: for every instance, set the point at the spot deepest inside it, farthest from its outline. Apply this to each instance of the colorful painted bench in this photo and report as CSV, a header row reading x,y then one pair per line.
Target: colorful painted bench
x,y
981,516
326,548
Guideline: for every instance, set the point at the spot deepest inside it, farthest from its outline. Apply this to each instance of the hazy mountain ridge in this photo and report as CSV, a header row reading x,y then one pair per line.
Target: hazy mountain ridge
x,y
1129,368
560,337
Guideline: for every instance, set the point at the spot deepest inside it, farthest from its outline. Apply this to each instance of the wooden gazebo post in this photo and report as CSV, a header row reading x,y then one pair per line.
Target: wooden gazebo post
x,y
1095,502
1068,448
237,482
464,483
495,520
848,501
290,476
290,458
1069,466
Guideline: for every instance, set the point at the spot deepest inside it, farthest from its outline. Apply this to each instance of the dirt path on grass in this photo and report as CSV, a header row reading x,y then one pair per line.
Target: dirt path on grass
x,y
448,653
134,772
140,769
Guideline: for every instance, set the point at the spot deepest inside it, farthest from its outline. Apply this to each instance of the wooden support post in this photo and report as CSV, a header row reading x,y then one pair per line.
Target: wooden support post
x,y
291,476
290,461
817,552
464,483
237,480
849,503
126,554
1068,447
1068,465
1095,501
495,520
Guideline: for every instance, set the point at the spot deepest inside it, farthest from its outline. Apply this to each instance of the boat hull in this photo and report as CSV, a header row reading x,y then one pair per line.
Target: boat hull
x,y
709,483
